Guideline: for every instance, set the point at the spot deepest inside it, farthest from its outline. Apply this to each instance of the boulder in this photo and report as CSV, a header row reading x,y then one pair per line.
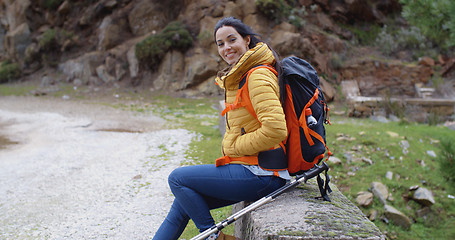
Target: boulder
x,y
191,16
380,191
170,71
199,68
397,217
256,21
426,61
298,215
103,74
334,161
205,36
423,196
15,12
133,63
286,43
147,16
83,67
364,199
17,41
111,33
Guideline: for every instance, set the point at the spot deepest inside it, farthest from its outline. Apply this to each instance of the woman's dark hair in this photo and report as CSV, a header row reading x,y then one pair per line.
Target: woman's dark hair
x,y
245,30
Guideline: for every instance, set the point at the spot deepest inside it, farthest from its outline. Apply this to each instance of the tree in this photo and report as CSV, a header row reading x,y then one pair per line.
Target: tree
x,y
435,18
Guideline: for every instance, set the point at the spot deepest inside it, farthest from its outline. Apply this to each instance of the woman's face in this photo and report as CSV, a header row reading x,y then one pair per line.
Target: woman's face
x,y
231,45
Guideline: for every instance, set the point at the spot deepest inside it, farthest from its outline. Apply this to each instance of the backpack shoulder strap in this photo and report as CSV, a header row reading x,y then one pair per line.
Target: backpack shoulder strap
x,y
242,99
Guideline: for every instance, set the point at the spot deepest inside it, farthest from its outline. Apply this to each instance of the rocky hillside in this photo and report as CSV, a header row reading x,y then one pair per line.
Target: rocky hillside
x,y
93,42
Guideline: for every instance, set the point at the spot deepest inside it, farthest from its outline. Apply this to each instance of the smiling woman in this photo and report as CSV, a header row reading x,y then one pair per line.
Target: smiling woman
x,y
236,176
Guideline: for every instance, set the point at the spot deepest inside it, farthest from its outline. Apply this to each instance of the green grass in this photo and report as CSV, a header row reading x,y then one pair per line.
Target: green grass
x,y
380,142
16,89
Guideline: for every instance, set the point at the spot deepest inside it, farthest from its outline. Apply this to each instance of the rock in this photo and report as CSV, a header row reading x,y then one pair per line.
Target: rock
x,y
17,41
379,118
256,21
47,81
448,68
324,22
367,160
431,153
170,71
423,196
111,32
119,72
334,161
205,36
348,156
397,217
426,61
380,191
423,212
15,12
146,17
64,8
103,74
327,88
350,88
82,67
286,43
404,145
199,68
389,175
450,125
233,9
372,215
133,63
364,199
392,134
297,215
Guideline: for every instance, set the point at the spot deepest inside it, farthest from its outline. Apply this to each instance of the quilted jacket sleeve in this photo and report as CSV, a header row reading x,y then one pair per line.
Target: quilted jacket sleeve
x,y
264,95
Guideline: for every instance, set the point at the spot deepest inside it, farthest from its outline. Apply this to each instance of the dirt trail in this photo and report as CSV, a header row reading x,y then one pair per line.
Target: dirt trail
x,y
83,171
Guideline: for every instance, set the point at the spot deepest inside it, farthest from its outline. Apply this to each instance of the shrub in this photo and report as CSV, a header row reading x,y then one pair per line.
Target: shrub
x,y
48,40
51,4
296,17
392,40
365,34
151,50
9,71
274,10
435,18
52,39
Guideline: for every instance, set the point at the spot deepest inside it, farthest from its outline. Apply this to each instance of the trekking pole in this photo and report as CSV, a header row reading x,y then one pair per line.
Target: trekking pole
x,y
294,183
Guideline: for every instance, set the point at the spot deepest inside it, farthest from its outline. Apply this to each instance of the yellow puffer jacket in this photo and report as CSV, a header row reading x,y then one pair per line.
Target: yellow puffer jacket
x,y
245,136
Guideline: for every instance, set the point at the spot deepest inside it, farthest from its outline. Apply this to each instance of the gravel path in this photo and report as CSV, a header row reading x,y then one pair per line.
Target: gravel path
x,y
84,171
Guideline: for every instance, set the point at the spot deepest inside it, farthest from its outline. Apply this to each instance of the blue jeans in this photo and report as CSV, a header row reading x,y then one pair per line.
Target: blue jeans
x,y
200,188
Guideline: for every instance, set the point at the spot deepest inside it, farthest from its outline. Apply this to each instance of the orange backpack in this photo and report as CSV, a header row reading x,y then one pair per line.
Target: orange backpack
x,y
306,112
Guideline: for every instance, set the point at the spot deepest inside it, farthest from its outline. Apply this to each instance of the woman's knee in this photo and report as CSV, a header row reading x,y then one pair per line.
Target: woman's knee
x,y
174,177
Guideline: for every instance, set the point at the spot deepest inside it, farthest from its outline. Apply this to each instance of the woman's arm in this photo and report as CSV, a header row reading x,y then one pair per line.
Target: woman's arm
x,y
264,95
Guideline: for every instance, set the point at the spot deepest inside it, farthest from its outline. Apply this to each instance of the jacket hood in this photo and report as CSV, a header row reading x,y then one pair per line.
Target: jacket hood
x,y
260,54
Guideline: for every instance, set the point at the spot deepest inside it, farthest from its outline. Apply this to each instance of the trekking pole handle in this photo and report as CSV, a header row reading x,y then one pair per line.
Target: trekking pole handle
x,y
313,172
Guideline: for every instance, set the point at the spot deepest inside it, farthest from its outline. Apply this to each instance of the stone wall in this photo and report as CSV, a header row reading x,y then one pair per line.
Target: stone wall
x,y
297,215
419,108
